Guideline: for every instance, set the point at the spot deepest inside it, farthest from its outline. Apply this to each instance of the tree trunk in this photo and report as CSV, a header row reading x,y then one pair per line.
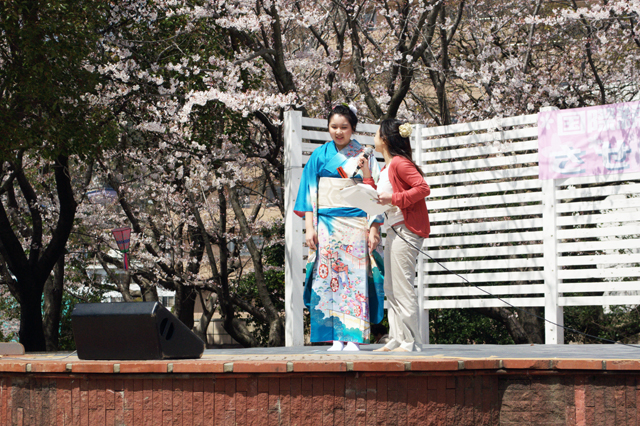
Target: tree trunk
x,y
236,328
522,327
148,292
185,302
31,332
33,269
53,290
532,324
208,308
276,332
242,334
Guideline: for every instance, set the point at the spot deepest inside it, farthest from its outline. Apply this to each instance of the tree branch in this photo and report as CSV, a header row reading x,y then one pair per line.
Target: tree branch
x,y
527,58
205,237
31,198
123,288
358,68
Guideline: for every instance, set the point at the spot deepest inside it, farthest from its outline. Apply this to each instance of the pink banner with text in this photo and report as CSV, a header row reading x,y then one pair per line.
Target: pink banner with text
x,y
589,141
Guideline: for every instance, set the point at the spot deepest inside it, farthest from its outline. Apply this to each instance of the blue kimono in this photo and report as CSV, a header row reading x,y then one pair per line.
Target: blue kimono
x,y
342,291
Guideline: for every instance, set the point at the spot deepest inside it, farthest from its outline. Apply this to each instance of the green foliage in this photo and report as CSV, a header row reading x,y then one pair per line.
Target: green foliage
x,y
465,326
46,55
9,313
618,323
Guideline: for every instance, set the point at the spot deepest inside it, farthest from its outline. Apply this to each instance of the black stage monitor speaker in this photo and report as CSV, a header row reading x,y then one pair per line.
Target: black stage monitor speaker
x,y
136,330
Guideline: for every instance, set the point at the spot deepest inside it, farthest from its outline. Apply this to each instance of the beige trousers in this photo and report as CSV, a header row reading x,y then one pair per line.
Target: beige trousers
x,y
399,276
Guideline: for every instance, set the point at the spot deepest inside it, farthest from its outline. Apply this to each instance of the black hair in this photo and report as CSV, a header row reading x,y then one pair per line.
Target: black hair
x,y
396,144
346,112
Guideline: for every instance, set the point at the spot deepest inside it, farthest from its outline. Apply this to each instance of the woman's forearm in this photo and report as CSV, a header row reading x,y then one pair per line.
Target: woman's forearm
x,y
308,220
310,236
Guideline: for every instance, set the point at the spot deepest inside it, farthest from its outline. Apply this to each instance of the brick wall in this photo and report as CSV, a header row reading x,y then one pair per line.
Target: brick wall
x,y
569,400
460,398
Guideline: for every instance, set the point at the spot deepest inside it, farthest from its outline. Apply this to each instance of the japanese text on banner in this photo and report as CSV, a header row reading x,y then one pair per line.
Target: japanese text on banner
x,y
589,141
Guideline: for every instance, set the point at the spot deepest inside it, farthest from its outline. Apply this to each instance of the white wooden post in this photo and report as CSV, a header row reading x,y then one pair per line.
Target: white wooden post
x,y
422,281
293,262
552,312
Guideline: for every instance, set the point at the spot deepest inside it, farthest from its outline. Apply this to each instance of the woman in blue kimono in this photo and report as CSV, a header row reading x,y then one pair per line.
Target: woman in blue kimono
x,y
343,295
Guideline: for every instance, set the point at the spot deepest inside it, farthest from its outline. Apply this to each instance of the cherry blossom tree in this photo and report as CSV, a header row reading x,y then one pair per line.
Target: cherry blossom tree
x,y
194,149
534,54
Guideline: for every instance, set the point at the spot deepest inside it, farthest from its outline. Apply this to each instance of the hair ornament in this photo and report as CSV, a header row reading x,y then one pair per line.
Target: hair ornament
x,y
353,109
405,130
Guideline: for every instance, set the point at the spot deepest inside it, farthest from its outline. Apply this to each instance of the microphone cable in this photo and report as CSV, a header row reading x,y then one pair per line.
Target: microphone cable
x,y
507,303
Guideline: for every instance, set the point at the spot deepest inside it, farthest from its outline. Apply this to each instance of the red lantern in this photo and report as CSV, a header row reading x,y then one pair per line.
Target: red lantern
x,y
122,236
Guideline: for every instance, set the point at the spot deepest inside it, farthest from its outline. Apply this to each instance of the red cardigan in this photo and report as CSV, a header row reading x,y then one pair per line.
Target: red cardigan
x,y
409,192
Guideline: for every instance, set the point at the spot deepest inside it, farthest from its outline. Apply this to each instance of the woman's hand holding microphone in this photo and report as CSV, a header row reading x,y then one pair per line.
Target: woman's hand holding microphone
x,y
363,163
384,198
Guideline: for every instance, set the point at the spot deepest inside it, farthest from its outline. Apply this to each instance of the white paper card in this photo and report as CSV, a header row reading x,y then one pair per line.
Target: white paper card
x,y
363,197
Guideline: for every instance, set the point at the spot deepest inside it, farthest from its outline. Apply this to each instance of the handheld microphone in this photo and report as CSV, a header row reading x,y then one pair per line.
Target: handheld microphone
x,y
366,153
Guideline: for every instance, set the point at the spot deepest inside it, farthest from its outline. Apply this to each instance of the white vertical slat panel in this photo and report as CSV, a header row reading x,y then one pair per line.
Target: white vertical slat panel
x,y
552,312
294,277
422,283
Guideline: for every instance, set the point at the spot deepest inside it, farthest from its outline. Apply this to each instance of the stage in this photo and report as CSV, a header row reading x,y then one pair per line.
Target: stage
x,y
443,384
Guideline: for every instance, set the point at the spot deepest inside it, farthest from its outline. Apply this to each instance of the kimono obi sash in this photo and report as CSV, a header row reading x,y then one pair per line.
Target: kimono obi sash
x,y
329,192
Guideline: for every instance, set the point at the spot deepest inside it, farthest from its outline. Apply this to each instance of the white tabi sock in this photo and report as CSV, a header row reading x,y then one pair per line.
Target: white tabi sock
x,y
337,346
352,346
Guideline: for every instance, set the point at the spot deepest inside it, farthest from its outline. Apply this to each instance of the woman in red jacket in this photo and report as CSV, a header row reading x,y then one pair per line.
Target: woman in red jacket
x,y
401,185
